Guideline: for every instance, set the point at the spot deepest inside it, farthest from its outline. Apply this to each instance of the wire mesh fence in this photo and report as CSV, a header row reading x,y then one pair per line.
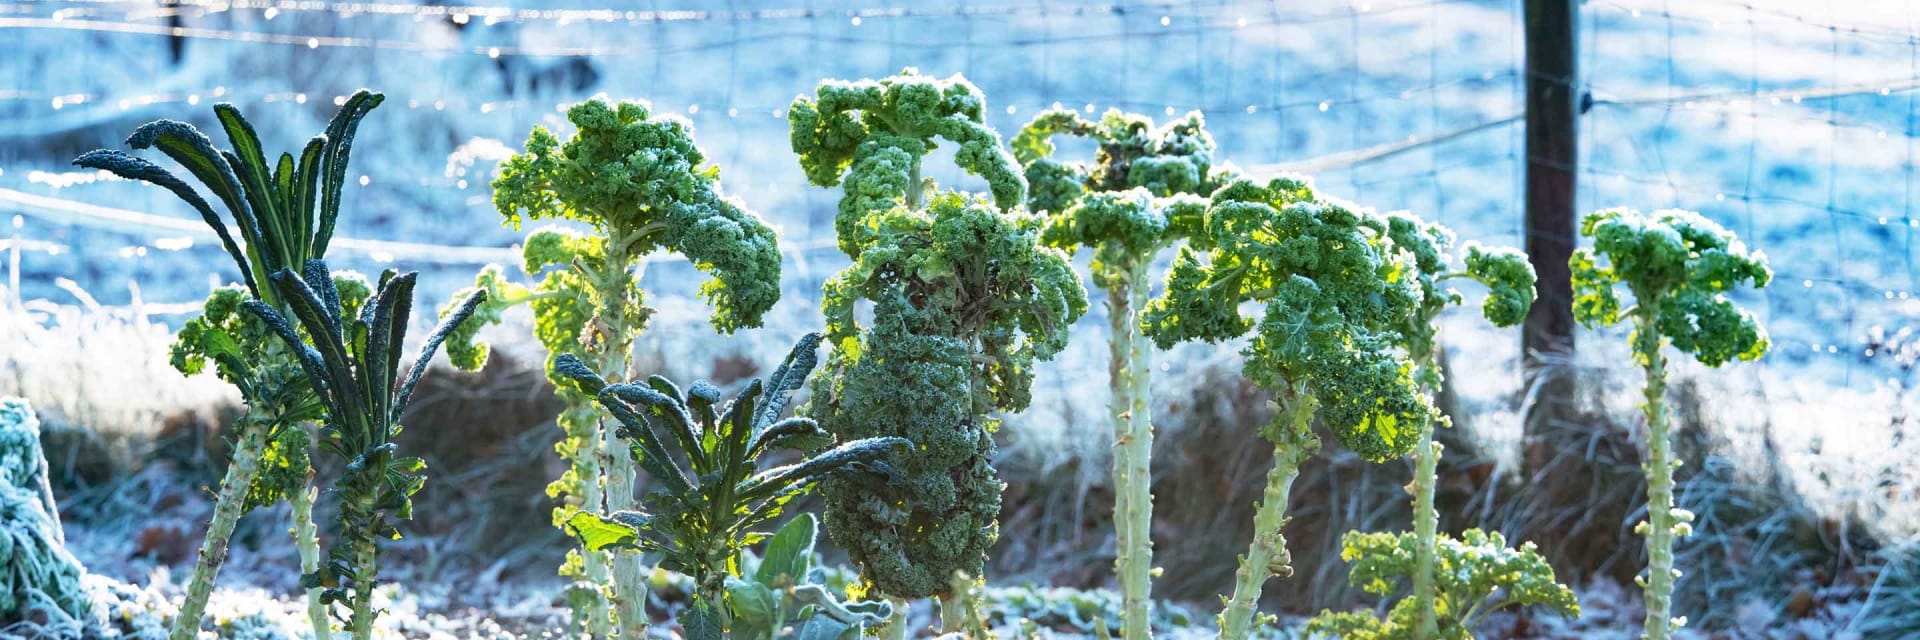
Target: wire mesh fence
x,y
1795,129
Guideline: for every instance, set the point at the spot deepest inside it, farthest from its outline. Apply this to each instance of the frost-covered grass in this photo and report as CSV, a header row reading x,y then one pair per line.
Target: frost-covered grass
x,y
1054,460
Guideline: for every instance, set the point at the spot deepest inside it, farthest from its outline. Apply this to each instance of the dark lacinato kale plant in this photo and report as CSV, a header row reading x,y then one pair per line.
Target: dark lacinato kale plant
x,y
285,212
353,367
643,185
1336,294
1144,192
1448,594
706,511
965,299
1679,267
1479,575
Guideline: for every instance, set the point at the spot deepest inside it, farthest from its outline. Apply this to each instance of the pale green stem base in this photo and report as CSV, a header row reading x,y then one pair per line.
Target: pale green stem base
x,y
595,569
366,571
629,577
897,627
1131,381
1267,555
1663,523
1426,525
227,510
306,540
616,459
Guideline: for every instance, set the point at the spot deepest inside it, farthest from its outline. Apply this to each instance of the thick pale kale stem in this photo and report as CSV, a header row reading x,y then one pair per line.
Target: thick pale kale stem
x,y
914,188
227,510
306,540
583,430
1662,520
366,575
617,317
953,615
896,626
1132,371
1267,555
1426,521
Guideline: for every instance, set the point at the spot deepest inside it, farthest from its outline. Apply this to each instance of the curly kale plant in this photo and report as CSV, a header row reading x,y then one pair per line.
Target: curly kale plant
x,y
643,186
1337,294
964,300
705,514
42,589
869,137
1425,614
285,212
1143,193
353,367
1478,574
1678,266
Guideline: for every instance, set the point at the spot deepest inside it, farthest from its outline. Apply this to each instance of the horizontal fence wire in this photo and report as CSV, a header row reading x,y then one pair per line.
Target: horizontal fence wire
x,y
1795,129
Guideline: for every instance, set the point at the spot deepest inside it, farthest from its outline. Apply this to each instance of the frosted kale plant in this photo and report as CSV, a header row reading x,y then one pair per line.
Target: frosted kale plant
x,y
286,212
1144,191
41,594
1454,582
352,366
641,184
1679,268
965,299
1336,294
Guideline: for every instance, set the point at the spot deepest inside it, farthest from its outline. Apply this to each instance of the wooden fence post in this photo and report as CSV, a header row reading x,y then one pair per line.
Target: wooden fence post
x,y
1552,134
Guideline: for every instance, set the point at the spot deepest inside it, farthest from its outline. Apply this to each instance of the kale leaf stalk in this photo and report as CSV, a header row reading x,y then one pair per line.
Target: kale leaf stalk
x,y
965,299
285,213
1293,444
1143,193
643,185
1679,267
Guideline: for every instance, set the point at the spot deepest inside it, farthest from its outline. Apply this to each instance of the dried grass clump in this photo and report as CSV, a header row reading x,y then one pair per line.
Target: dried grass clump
x,y
100,379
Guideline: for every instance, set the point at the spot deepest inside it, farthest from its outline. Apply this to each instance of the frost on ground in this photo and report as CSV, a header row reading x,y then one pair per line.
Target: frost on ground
x,y
472,567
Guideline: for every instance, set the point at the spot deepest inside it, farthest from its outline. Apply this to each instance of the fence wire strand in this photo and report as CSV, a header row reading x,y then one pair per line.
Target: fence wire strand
x,y
1410,104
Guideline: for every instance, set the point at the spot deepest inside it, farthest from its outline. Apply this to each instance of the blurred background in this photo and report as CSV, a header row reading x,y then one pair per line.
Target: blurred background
x,y
1792,123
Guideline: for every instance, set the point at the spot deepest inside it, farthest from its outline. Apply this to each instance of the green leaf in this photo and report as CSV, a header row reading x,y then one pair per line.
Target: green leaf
x,y
753,606
135,168
825,628
702,623
597,533
825,605
789,553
